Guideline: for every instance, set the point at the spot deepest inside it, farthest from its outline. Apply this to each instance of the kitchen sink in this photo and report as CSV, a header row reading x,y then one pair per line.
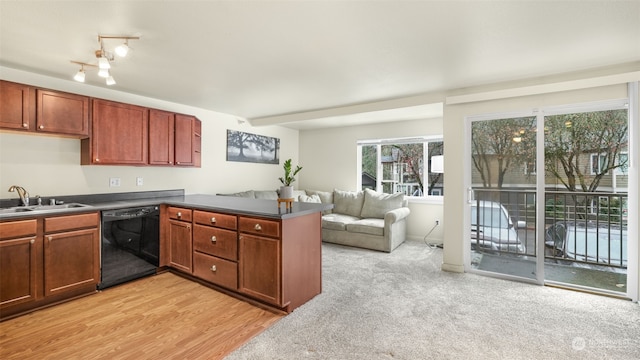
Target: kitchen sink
x,y
41,208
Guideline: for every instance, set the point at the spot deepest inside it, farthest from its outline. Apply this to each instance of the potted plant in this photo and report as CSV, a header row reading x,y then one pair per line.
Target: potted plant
x,y
286,191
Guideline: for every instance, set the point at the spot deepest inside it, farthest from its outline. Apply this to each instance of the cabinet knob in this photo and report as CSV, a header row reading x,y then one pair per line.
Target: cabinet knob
x,y
213,220
177,162
97,160
258,227
179,214
213,239
32,241
49,238
41,126
25,125
213,268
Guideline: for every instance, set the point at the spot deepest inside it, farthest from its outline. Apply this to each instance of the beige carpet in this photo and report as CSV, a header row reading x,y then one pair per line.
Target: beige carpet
x,y
402,306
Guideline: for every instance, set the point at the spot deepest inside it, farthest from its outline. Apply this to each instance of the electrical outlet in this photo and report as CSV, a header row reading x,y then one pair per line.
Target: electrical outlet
x,y
139,181
437,222
114,182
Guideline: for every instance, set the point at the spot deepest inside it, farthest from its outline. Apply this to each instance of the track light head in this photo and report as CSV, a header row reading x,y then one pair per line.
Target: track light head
x,y
123,49
79,77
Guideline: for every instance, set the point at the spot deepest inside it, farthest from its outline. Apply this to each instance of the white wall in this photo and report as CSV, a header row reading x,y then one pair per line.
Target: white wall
x,y
48,166
329,158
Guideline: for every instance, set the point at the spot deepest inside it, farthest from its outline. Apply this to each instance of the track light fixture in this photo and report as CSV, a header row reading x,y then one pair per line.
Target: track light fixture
x,y
105,58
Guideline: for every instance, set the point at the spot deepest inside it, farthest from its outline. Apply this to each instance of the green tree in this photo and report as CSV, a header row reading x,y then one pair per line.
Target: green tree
x,y
498,145
571,139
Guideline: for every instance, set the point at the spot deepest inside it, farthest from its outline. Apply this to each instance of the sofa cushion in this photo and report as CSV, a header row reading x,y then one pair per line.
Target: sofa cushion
x,y
337,221
266,194
326,197
311,199
367,226
348,202
377,204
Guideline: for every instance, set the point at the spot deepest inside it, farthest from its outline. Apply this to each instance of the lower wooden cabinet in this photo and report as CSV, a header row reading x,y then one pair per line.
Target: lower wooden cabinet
x,y
71,260
19,262
47,260
276,262
259,264
215,270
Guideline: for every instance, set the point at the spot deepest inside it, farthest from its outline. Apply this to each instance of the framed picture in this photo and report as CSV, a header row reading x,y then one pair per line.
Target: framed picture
x,y
247,147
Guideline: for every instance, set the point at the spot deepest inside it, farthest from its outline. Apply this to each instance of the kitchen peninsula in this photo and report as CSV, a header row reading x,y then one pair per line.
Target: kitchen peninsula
x,y
248,248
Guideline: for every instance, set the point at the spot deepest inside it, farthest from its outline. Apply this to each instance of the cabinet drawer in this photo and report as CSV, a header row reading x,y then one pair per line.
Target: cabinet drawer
x,y
14,229
218,242
225,221
179,214
260,226
60,223
215,270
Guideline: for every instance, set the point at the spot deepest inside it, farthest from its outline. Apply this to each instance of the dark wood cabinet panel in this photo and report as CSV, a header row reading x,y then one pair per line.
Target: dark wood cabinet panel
x,y
259,266
225,221
71,260
185,140
217,242
180,245
62,113
120,134
215,270
18,268
17,106
161,137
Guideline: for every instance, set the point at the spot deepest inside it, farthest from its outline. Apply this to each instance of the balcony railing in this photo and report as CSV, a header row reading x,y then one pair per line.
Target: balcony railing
x,y
580,227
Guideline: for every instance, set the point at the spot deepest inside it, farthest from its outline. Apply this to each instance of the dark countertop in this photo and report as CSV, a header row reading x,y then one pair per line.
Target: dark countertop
x,y
229,204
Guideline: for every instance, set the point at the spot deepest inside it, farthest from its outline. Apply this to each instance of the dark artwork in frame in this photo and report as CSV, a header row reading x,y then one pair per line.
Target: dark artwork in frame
x,y
247,147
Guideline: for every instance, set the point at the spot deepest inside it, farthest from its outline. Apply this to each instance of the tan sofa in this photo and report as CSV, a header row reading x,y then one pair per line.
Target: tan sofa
x,y
365,219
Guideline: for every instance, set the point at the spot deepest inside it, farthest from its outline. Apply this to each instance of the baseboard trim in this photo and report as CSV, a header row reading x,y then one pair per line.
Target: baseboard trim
x,y
452,268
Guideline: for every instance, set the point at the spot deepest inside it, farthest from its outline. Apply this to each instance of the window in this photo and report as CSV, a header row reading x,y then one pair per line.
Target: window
x,y
398,165
598,163
623,164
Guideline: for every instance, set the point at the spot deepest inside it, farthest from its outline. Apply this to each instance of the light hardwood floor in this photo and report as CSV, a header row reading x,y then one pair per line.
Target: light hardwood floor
x,y
159,317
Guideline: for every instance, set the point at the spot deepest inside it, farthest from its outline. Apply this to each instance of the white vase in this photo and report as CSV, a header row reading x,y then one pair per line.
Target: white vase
x,y
286,192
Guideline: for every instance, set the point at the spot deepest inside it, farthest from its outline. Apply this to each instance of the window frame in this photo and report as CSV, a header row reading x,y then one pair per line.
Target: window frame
x,y
425,140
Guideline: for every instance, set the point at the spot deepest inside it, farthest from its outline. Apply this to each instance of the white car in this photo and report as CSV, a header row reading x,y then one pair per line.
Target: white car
x,y
493,229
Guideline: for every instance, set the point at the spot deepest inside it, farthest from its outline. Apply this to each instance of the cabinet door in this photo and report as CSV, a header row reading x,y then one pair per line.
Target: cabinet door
x,y
71,260
259,264
17,106
120,133
185,140
161,137
18,268
180,246
62,113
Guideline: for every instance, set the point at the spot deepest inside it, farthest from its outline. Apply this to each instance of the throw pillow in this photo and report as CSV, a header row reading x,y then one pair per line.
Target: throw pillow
x,y
348,202
377,204
326,197
310,199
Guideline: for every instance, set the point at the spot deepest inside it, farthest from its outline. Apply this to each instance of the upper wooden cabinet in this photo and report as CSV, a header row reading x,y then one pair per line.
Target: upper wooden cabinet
x,y
119,135
26,108
161,137
17,106
112,133
174,139
62,113
187,140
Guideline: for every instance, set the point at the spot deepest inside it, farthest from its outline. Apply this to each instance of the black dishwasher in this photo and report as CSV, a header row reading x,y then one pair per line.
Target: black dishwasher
x,y
130,244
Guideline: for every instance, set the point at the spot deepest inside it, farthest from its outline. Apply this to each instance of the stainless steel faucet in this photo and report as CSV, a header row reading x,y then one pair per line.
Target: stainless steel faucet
x,y
24,195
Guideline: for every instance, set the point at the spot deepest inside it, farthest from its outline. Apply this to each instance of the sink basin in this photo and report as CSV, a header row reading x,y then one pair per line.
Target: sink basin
x,y
40,208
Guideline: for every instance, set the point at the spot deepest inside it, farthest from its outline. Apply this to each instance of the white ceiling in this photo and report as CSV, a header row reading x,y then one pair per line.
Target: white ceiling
x,y
268,61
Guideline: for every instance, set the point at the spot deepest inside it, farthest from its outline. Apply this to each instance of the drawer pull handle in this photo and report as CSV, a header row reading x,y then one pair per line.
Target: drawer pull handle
x,y
213,268
258,227
213,239
213,220
179,214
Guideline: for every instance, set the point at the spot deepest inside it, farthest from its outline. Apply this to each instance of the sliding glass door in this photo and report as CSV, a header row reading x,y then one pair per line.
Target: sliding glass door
x,y
549,196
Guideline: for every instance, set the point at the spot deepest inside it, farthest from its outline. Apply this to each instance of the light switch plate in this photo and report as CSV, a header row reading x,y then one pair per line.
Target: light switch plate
x,y
139,181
